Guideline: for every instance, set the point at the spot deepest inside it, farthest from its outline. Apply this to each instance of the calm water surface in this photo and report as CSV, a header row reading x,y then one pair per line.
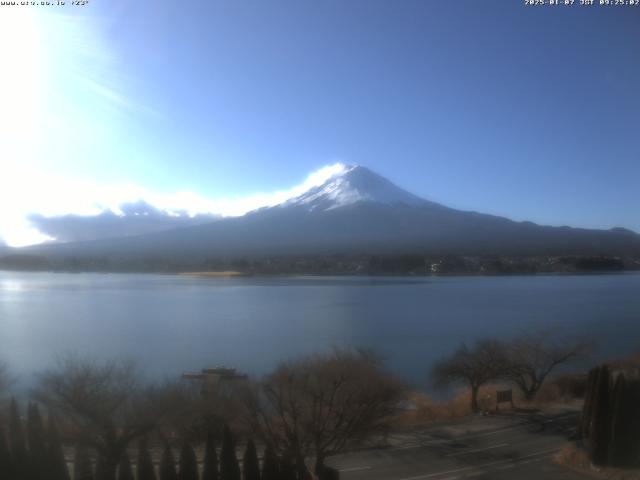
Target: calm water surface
x,y
174,323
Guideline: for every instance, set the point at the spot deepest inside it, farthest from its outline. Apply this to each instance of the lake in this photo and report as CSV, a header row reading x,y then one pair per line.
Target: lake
x,y
170,324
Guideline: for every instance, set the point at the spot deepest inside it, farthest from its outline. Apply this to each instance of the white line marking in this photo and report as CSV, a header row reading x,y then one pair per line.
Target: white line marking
x,y
355,469
477,450
475,467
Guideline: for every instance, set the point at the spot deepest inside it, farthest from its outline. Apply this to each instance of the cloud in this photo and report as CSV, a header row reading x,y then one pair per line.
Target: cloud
x,y
136,218
36,207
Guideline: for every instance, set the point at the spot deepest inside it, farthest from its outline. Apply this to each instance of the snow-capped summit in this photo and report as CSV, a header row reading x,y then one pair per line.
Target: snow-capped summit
x,y
354,184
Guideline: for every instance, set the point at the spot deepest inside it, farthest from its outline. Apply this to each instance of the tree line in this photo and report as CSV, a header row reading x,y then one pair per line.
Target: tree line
x,y
355,264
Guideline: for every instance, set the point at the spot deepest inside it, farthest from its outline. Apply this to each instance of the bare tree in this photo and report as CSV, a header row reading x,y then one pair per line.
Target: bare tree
x,y
474,366
531,358
185,412
105,405
321,404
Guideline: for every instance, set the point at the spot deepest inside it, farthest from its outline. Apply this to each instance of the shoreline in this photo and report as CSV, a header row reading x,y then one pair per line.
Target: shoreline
x,y
237,274
216,274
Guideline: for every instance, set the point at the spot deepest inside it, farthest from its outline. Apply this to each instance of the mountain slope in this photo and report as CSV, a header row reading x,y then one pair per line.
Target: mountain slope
x,y
357,212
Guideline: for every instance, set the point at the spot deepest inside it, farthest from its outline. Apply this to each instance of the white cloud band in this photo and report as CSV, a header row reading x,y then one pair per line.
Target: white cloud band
x,y
24,192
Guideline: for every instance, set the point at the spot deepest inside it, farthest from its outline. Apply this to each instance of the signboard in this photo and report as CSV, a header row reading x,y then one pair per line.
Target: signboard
x,y
503,396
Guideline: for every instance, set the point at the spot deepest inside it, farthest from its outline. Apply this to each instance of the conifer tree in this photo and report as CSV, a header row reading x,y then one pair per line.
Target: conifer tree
x,y
102,470
210,466
600,430
144,469
287,470
587,408
270,469
82,469
37,444
188,462
250,465
633,427
55,455
168,465
616,445
19,454
125,472
6,467
624,448
229,468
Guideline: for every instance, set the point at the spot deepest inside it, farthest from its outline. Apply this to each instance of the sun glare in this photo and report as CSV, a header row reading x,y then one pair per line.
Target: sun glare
x,y
21,82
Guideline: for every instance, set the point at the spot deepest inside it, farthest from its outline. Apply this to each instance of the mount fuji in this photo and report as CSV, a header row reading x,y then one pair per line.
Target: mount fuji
x,y
355,212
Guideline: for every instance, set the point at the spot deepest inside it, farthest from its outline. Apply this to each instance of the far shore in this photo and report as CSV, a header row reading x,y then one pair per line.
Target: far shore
x,y
225,273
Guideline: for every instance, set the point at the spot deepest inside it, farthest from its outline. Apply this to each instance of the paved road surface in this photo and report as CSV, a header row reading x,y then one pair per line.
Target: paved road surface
x,y
508,446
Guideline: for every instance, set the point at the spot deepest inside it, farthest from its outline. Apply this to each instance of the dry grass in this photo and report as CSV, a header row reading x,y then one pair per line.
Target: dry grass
x,y
575,458
566,389
563,389
426,410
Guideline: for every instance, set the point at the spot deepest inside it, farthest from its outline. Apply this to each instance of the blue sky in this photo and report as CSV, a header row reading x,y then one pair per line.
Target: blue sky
x,y
527,112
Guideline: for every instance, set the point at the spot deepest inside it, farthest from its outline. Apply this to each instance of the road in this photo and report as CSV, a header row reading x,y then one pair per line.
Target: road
x,y
514,445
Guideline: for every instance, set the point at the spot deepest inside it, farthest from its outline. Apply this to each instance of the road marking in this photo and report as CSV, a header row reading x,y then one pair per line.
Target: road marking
x,y
477,450
355,469
476,467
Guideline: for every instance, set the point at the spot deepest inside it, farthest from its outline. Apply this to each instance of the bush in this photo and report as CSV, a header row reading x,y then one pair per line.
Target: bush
x,y
571,385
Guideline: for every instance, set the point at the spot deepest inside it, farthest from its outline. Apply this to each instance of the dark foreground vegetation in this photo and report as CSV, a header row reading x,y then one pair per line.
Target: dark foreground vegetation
x,y
610,424
103,422
607,440
330,264
115,426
